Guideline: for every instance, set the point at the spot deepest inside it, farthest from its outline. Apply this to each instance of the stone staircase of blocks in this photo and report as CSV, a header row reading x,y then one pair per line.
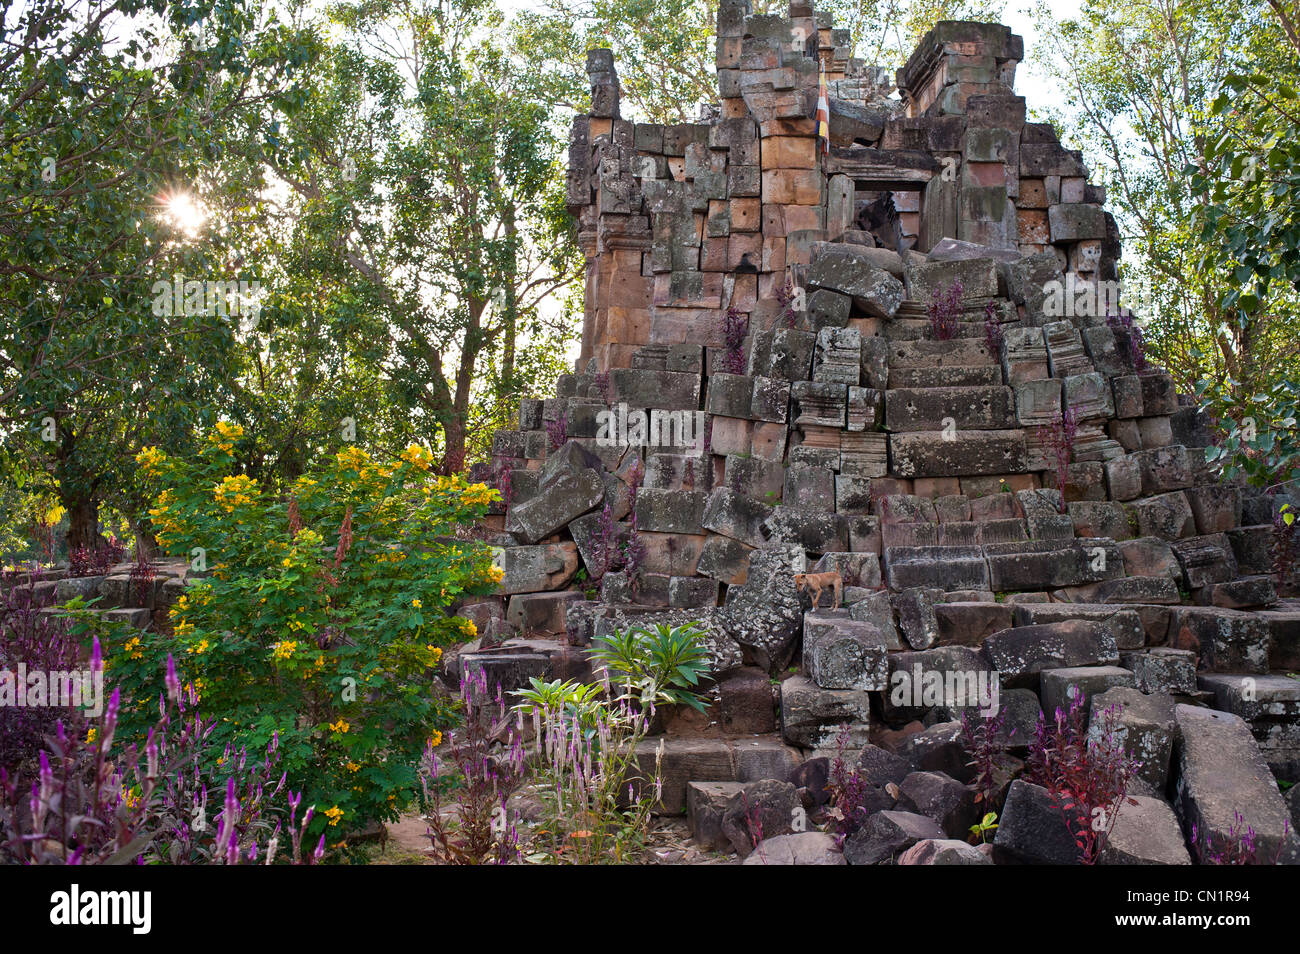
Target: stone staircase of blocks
x,y
915,468
847,436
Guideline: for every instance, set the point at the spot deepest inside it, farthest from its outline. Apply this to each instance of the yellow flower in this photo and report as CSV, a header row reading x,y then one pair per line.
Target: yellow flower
x,y
479,495
353,767
90,735
226,429
468,627
435,739
234,491
418,456
284,649
149,459
416,603
340,726
435,654
334,814
132,648
286,562
353,458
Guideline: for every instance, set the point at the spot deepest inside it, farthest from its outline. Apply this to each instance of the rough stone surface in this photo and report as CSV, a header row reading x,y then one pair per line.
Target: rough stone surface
x,y
887,833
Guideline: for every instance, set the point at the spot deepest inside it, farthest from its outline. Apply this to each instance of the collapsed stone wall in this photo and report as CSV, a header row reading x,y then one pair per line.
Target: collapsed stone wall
x,y
919,468
680,223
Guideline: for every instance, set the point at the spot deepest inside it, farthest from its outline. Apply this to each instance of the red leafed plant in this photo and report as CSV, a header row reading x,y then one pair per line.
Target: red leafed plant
x,y
985,740
944,311
1059,436
735,327
1087,773
785,298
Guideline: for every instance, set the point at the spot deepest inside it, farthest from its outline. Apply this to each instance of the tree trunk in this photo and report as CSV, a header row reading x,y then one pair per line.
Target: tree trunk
x,y
83,521
453,455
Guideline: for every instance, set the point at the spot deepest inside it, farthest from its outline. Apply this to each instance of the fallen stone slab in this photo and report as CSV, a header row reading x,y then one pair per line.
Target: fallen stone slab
x,y
537,568
1032,830
765,615
1224,640
943,851
802,848
844,653
1167,516
1247,592
916,616
1144,724
1162,669
565,499
811,717
876,609
842,268
939,748
706,803
1048,564
1145,832
1283,635
1222,784
1125,625
724,560
1254,696
968,624
1059,687
1271,706
951,678
885,834
687,760
1023,652
881,767
540,612
946,800
1130,589
1205,560
762,809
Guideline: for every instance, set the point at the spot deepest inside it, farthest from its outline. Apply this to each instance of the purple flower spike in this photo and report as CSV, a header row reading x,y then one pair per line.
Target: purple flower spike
x,y
172,681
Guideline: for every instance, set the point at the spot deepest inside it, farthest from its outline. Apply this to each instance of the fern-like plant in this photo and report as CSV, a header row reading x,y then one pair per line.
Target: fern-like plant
x,y
665,664
576,700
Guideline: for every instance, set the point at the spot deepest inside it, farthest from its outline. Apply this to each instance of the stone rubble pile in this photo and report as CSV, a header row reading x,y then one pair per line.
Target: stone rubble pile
x,y
920,466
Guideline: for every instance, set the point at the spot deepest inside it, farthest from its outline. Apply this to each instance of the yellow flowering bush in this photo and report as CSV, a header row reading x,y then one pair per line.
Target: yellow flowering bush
x,y
322,617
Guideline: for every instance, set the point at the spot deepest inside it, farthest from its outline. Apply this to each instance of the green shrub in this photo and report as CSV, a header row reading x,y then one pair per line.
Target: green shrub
x,y
322,618
665,664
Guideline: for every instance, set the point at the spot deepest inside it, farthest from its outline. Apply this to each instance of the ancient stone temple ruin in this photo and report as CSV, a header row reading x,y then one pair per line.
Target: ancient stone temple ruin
x,y
897,355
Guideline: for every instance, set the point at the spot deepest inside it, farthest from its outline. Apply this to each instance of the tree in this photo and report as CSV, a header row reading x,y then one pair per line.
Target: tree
x,y
1250,185
98,136
425,178
1140,80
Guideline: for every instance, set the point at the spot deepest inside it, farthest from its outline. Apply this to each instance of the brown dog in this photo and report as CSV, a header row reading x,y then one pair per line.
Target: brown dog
x,y
816,582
